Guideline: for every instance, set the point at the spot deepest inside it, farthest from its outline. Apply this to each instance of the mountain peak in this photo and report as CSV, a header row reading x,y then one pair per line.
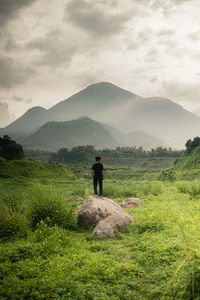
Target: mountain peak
x,y
107,87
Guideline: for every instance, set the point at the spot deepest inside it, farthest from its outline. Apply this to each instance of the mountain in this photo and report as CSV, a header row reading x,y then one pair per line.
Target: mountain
x,y
135,139
29,122
98,101
83,131
196,111
165,119
128,112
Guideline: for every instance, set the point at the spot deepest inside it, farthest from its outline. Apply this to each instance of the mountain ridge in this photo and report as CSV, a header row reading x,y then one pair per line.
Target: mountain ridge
x,y
85,131
117,107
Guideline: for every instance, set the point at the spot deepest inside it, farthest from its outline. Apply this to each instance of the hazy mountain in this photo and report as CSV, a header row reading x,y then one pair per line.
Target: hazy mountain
x,y
165,119
117,107
135,139
29,122
83,131
196,111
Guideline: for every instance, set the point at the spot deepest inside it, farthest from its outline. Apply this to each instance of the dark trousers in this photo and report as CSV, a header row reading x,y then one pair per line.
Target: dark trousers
x,y
97,180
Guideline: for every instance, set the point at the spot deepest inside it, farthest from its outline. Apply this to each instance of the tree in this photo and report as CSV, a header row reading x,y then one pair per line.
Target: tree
x,y
192,144
9,149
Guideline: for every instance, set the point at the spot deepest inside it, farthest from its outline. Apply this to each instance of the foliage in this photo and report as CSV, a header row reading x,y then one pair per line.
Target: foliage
x,y
188,165
32,169
9,149
48,256
51,207
192,144
13,215
168,174
128,156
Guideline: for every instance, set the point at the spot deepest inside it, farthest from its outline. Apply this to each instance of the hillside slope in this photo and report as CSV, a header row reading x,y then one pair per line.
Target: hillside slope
x,y
188,165
135,139
30,168
83,131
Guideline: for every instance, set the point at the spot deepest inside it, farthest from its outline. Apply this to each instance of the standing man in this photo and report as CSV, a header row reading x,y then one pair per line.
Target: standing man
x,y
98,175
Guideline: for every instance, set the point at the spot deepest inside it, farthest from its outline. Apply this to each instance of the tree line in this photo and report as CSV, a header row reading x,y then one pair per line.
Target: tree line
x,y
86,153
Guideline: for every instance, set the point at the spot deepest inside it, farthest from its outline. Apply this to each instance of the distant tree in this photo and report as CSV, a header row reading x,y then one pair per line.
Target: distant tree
x,y
9,149
192,144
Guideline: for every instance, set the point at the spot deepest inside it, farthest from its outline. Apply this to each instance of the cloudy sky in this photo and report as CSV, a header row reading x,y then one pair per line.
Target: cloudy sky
x,y
51,49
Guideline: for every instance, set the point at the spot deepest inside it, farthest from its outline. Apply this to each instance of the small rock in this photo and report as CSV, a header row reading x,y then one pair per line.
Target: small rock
x,y
131,202
11,187
76,198
82,179
74,178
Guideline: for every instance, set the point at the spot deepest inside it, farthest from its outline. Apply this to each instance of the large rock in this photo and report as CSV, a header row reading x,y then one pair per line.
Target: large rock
x,y
103,213
131,202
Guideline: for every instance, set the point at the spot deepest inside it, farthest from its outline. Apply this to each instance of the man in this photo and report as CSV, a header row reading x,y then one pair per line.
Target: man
x,y
98,175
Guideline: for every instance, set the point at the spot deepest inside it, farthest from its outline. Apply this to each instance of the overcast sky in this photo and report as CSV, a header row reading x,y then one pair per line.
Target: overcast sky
x,y
51,49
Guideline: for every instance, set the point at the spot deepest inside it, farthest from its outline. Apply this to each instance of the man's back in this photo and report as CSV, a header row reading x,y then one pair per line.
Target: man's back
x,y
97,168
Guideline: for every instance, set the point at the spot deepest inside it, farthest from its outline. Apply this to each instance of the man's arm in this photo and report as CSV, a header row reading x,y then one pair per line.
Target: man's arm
x,y
102,172
92,170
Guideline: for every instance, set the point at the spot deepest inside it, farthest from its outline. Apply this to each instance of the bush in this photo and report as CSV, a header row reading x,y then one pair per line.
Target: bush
x,y
13,216
193,189
9,149
51,207
167,175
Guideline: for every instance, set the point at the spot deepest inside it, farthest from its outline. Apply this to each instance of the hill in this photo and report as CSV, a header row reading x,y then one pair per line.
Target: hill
x,y
135,139
117,107
83,131
30,168
188,165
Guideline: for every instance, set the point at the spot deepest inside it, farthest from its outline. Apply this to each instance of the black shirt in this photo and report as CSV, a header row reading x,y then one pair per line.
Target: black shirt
x,y
97,168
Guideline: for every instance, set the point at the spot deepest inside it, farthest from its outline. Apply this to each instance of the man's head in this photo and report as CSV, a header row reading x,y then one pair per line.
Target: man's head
x,y
98,159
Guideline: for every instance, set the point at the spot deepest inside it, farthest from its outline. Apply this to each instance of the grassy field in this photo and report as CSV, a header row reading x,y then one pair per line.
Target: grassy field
x,y
44,254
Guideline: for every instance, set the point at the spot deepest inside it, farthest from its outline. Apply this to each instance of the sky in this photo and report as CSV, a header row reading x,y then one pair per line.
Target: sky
x,y
51,49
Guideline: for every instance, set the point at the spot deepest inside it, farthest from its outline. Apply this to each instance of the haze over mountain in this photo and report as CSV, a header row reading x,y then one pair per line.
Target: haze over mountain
x,y
85,131
107,103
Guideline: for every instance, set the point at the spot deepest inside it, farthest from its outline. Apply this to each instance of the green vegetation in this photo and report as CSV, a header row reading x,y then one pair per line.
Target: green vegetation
x,y
188,165
29,168
46,255
122,156
9,149
192,144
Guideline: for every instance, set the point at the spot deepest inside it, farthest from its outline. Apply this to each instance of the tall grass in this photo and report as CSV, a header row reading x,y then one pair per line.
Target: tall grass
x,y
191,188
52,207
21,211
13,215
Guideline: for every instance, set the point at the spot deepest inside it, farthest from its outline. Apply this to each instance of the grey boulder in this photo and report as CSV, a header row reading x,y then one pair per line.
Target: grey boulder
x,y
105,214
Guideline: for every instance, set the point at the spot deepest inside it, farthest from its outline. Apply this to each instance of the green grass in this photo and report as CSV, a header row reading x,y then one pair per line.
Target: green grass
x,y
46,255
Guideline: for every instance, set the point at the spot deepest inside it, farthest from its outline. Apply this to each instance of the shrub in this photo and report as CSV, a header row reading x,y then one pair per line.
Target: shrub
x,y
13,216
183,187
167,175
49,206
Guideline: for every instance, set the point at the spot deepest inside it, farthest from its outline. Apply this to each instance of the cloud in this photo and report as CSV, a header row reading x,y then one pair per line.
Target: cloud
x,y
20,99
10,8
11,73
54,49
95,18
186,92
5,115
